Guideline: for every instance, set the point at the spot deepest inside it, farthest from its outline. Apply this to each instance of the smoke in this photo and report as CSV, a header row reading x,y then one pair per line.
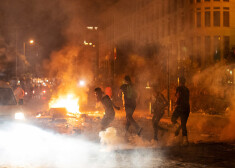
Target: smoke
x,y
227,133
213,93
26,146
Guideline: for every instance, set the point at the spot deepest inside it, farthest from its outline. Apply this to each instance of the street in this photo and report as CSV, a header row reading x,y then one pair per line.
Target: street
x,y
117,83
55,144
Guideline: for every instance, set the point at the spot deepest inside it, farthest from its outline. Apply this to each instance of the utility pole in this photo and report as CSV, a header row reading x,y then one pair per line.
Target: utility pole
x,y
168,81
16,50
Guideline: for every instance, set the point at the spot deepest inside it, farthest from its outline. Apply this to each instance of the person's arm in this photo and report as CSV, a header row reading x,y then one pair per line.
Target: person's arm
x,y
116,107
164,101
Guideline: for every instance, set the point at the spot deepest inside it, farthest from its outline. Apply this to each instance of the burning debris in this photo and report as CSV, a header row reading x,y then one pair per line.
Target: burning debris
x,y
69,102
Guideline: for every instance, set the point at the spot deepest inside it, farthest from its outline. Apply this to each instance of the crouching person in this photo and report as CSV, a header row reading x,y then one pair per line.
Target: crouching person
x,y
158,107
108,106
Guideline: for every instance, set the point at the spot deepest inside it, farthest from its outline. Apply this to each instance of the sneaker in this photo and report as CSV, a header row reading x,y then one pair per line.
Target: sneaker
x,y
139,131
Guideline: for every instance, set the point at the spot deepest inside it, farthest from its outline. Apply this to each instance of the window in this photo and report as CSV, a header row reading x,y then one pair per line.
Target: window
x,y
191,20
198,56
182,21
198,0
216,48
169,27
175,25
216,0
207,49
226,19
207,0
198,19
207,19
175,5
226,46
226,0
182,3
216,15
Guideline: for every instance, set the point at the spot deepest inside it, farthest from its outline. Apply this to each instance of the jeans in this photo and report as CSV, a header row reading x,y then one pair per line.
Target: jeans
x,y
129,119
106,120
183,113
155,120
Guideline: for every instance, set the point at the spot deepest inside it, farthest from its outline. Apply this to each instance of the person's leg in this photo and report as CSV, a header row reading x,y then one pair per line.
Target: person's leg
x,y
127,118
155,126
184,119
130,117
106,121
175,115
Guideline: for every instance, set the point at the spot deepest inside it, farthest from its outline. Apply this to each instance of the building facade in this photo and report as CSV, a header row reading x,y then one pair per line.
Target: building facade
x,y
201,32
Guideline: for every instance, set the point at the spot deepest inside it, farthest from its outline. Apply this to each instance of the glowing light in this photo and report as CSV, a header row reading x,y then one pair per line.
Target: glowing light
x,y
39,115
85,43
231,72
31,41
26,93
43,91
89,27
19,116
82,83
70,102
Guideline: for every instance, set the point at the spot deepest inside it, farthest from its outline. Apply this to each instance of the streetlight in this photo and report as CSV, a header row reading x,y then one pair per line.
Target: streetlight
x,y
31,41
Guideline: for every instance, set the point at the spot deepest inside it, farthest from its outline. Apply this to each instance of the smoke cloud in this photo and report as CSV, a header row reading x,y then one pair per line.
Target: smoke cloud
x,y
26,146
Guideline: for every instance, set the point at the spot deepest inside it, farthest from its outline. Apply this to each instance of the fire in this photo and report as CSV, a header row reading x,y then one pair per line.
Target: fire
x,y
70,102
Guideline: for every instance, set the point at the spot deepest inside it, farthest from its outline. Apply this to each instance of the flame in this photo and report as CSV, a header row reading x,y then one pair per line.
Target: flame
x,y
70,102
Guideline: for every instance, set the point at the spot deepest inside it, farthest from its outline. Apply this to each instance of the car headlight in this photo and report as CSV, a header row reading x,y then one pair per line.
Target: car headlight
x,y
19,116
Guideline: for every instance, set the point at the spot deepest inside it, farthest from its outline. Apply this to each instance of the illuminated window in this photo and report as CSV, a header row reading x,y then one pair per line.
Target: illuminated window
x,y
216,48
198,19
216,15
207,19
226,19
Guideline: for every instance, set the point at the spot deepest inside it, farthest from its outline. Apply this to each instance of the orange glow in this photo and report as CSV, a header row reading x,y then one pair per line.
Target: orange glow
x,y
70,102
31,41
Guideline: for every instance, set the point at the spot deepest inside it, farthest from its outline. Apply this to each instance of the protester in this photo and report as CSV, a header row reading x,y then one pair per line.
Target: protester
x,y
158,106
129,101
19,94
108,106
182,109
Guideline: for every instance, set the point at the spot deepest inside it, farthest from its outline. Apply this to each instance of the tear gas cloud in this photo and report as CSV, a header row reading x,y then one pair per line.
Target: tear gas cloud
x,y
215,80
25,145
